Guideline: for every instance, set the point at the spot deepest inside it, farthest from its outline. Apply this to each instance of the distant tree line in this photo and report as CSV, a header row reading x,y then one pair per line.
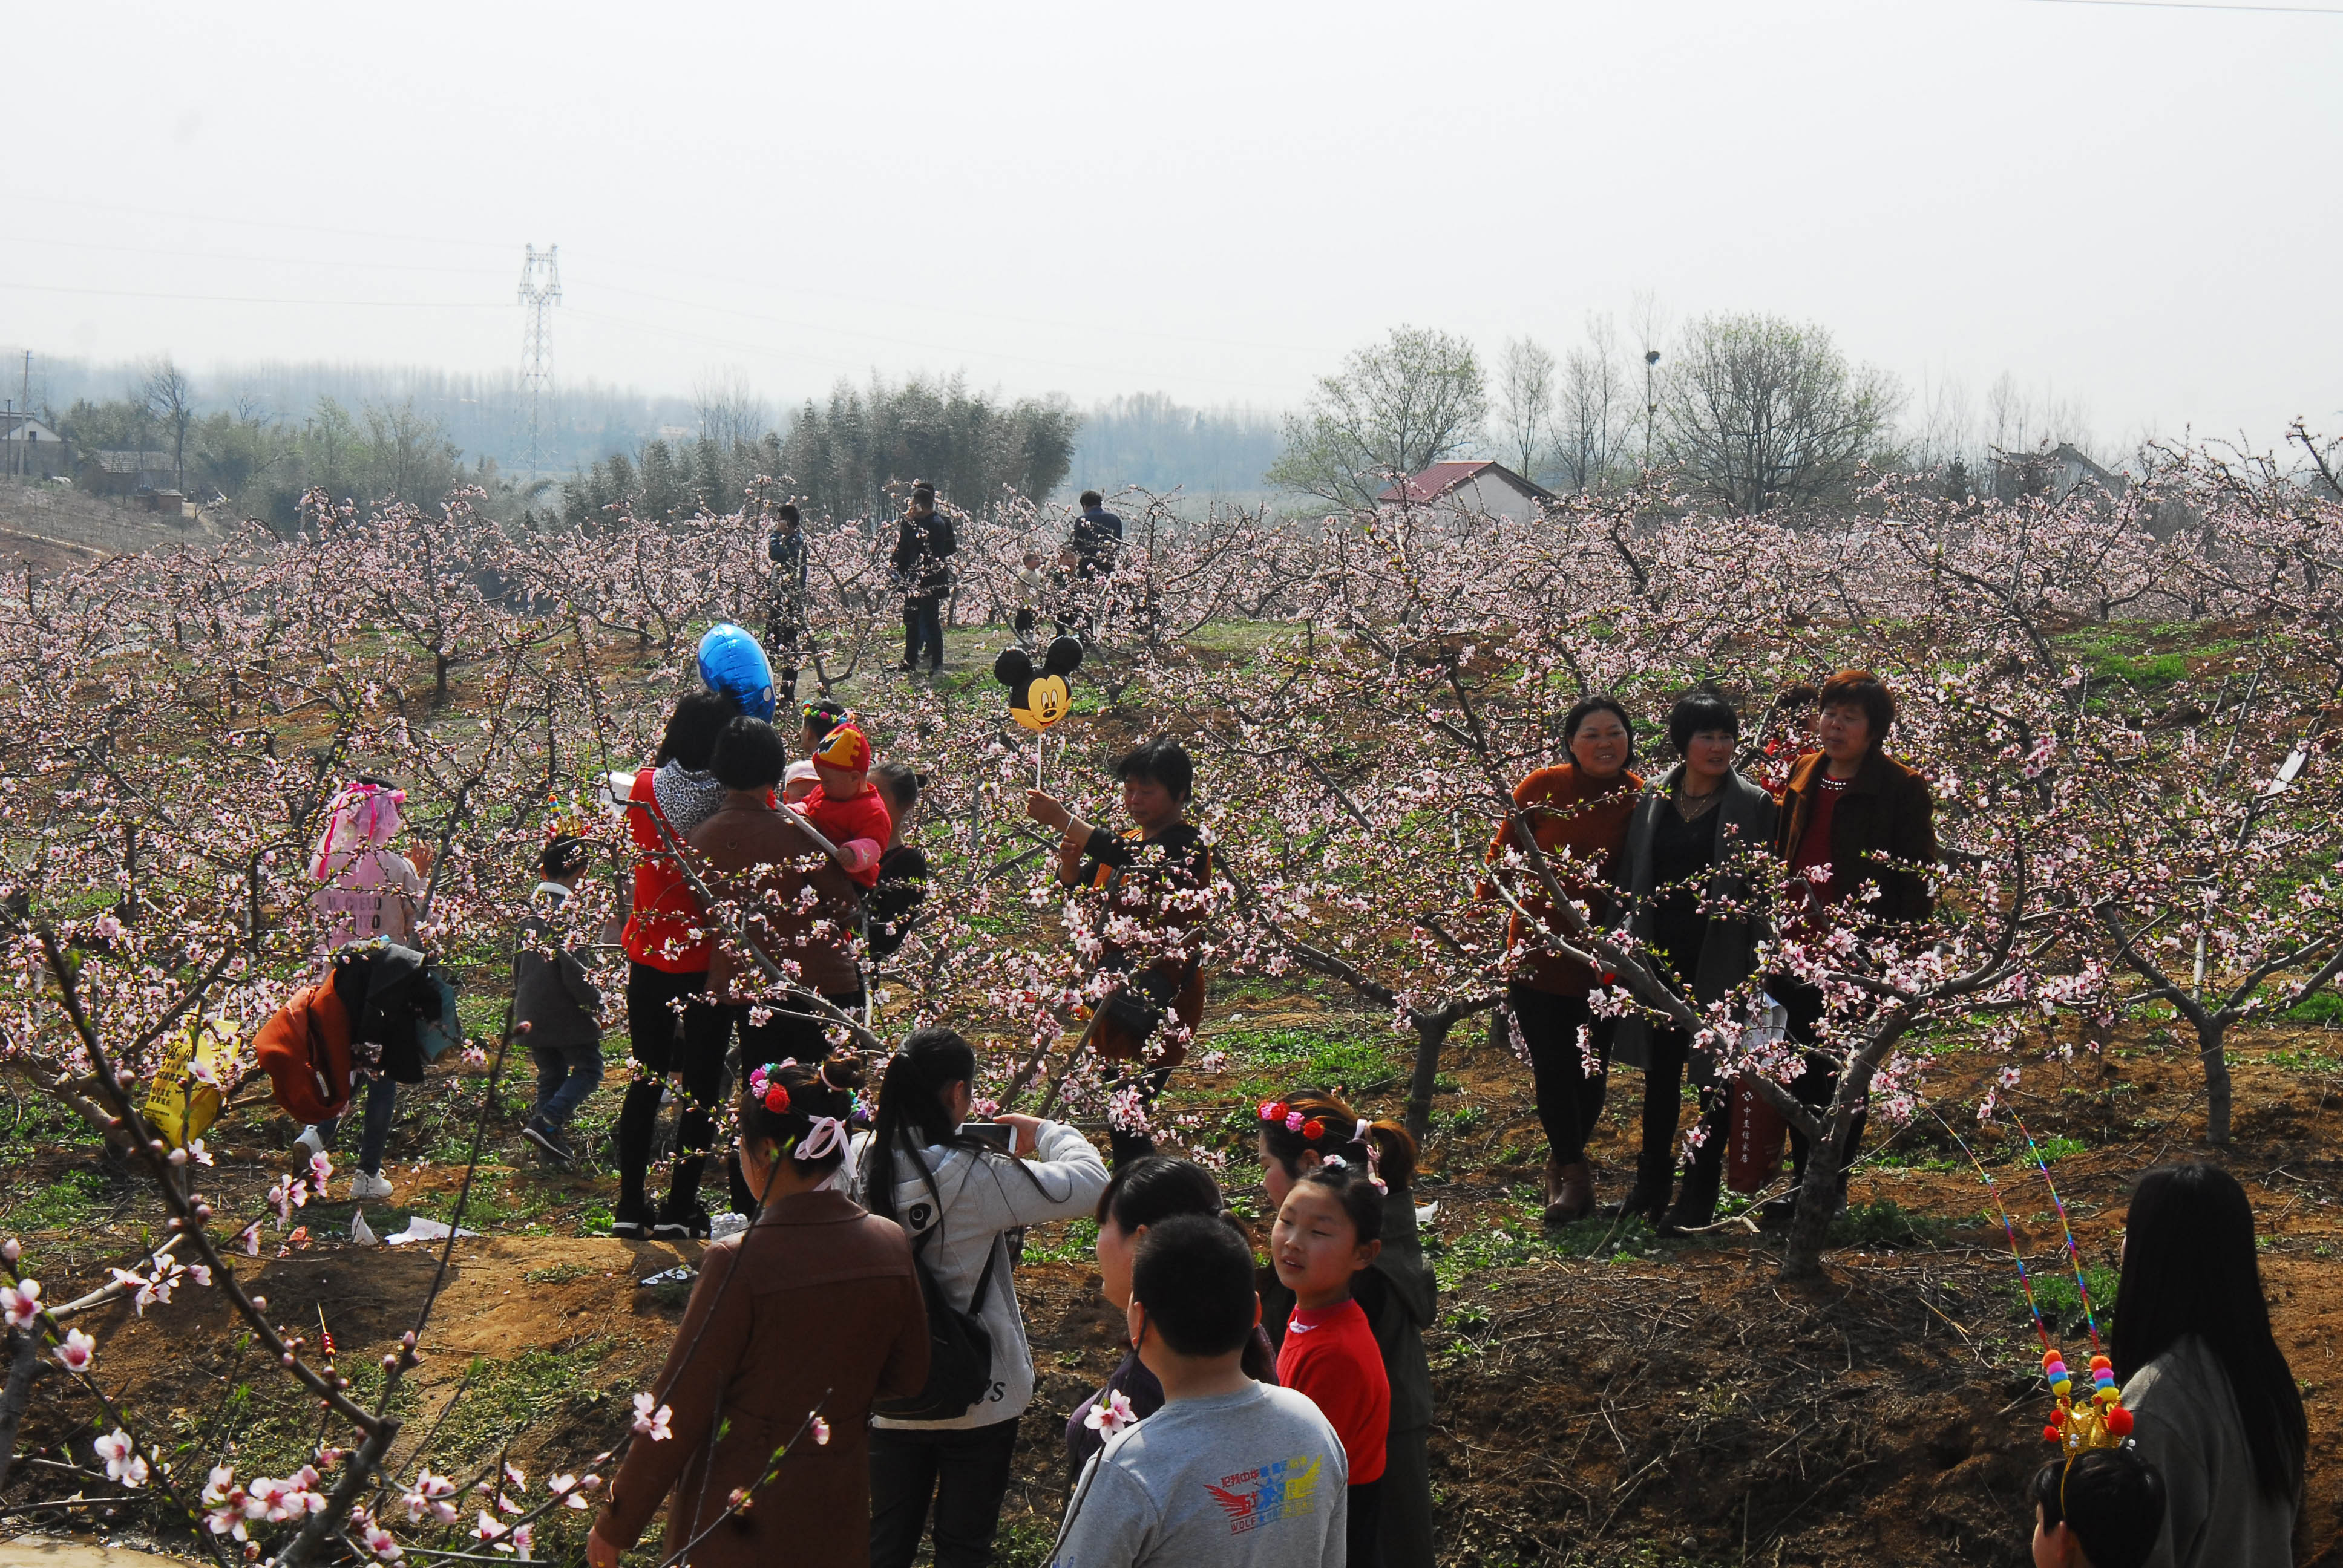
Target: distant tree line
x,y
841,458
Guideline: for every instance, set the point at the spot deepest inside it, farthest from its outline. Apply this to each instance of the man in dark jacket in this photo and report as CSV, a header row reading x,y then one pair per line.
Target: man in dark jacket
x,y
1858,832
560,1003
1097,536
924,545
785,619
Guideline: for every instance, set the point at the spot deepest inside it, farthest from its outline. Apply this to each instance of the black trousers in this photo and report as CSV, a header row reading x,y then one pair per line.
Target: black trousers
x,y
1123,1147
656,1042
1817,1085
1569,1098
1361,1533
781,636
924,625
707,1034
1669,1050
963,1473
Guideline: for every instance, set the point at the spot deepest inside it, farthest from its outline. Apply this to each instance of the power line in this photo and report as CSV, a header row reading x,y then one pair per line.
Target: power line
x,y
254,298
336,261
2204,5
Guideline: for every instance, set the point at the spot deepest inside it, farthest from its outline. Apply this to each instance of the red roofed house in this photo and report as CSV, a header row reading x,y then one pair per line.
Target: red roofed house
x,y
1473,485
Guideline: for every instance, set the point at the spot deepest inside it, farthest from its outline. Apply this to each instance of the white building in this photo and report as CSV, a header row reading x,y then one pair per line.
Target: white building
x,y
30,450
1473,485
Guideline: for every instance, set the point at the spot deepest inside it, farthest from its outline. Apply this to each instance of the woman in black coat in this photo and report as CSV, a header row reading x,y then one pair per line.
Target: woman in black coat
x,y
1697,924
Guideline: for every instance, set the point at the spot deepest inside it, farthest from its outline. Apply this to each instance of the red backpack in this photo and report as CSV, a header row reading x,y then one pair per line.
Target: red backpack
x,y
305,1049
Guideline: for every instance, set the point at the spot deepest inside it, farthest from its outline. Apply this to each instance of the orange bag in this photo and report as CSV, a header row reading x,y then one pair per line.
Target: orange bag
x,y
305,1049
1754,1151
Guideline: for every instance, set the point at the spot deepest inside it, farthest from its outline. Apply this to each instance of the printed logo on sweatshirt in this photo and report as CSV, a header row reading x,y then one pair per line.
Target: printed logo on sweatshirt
x,y
1252,1498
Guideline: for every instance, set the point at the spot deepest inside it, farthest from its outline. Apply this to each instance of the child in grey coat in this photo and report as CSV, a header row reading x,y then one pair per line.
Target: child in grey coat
x,y
555,997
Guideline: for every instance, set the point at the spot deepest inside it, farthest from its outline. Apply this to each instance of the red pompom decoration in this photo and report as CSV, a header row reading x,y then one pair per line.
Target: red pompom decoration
x,y
2050,1435
2119,1420
1314,1130
777,1100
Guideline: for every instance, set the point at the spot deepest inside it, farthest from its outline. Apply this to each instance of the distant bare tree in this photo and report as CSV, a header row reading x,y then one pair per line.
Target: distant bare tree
x,y
1525,387
1762,412
728,410
1397,408
170,396
1596,412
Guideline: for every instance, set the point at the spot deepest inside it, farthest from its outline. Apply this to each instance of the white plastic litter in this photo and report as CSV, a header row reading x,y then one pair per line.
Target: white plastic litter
x,y
420,1229
675,1276
723,1225
360,1231
1426,1212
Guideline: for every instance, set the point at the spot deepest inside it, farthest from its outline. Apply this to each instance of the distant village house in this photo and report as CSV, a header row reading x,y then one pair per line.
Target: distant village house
x,y
30,450
1473,485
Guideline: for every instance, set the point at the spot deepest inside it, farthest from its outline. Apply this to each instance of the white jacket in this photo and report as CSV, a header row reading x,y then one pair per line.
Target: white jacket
x,y
984,1196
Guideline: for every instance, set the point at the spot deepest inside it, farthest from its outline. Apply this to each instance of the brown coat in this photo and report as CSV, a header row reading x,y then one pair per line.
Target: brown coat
x,y
1564,812
816,1303
1886,815
763,856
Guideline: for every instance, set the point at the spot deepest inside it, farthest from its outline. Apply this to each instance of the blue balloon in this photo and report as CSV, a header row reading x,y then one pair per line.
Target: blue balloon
x,y
731,663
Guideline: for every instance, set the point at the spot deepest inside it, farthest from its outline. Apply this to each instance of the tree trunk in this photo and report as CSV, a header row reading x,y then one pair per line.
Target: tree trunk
x,y
24,1362
1818,1204
439,663
2217,1080
1430,1034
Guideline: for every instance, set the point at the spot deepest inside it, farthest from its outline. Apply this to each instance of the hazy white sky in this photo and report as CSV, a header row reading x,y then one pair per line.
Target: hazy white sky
x,y
2131,206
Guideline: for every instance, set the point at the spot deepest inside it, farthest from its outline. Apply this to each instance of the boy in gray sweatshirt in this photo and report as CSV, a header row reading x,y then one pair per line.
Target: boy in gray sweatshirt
x,y
555,997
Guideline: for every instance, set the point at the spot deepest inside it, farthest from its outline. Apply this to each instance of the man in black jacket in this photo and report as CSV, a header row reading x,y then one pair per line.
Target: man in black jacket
x,y
1097,536
785,618
924,544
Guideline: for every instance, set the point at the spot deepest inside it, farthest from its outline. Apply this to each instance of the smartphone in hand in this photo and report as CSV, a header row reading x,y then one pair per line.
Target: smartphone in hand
x,y
997,1134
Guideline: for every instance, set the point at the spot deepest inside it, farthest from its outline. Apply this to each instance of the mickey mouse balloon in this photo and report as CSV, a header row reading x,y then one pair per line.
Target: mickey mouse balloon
x,y
1038,699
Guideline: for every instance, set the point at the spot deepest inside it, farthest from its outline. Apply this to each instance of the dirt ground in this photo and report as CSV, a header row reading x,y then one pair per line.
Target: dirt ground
x,y
1605,1396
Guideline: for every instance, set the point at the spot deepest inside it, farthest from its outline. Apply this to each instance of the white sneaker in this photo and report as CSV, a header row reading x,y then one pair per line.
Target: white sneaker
x,y
364,1187
309,1143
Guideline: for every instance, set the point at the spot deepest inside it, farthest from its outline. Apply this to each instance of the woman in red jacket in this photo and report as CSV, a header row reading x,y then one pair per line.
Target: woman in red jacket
x,y
1580,809
666,943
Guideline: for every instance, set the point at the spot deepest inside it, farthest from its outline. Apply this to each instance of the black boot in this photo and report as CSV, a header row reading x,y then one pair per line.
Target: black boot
x,y
1695,1204
637,1122
1649,1195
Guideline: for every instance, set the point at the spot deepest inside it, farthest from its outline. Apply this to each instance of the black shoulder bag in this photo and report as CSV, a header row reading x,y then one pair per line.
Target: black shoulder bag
x,y
959,1347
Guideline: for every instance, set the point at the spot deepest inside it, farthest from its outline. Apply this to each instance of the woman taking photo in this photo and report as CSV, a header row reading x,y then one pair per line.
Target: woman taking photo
x,y
1580,809
814,1308
2215,1408
1699,929
956,1192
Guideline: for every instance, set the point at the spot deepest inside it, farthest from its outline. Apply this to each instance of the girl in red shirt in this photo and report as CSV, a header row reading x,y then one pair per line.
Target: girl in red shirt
x,y
1329,1228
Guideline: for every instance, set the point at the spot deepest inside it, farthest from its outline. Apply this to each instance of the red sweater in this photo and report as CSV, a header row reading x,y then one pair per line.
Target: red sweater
x,y
664,930
862,816
1330,1354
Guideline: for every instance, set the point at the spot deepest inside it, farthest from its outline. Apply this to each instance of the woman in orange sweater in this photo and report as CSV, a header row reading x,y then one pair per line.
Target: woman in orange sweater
x,y
1580,809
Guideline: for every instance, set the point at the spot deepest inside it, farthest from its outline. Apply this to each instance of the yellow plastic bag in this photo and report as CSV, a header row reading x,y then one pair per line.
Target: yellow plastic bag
x,y
179,1104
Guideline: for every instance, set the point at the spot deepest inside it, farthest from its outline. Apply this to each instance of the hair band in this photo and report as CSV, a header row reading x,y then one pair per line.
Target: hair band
x,y
828,1136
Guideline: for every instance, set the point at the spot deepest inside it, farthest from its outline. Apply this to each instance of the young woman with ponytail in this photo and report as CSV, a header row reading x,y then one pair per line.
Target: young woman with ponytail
x,y
1145,1192
957,1195
1297,1136
815,1308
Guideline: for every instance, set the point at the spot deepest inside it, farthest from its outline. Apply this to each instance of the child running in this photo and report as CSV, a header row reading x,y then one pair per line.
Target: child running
x,y
846,807
1329,1228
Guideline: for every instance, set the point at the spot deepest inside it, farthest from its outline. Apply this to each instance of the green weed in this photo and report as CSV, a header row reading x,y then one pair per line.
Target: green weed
x,y
1885,1224
1075,1242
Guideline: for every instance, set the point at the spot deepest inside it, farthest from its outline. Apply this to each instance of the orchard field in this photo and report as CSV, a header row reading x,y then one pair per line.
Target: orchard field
x,y
2123,704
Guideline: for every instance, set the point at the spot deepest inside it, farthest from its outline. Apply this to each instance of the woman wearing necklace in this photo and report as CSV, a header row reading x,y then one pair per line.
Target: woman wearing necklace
x,y
1686,839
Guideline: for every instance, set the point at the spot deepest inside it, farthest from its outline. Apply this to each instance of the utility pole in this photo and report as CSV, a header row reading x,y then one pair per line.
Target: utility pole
x,y
540,291
1651,404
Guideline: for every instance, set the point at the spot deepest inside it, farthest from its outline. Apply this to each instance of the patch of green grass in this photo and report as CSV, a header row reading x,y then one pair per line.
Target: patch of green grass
x,y
1885,1224
2060,1303
72,1200
1283,1059
1024,1543
2324,1007
2061,1148
559,1274
1075,1242
2305,1058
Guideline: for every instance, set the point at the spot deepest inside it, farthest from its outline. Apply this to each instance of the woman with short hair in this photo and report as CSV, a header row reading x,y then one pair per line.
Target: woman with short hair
x,y
1698,934
1581,808
1858,832
2215,1407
